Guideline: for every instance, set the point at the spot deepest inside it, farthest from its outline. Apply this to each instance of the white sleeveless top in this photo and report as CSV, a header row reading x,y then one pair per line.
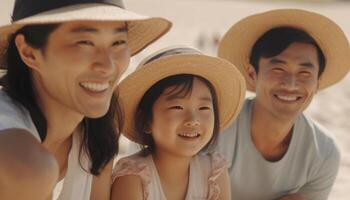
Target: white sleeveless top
x,y
77,183
204,171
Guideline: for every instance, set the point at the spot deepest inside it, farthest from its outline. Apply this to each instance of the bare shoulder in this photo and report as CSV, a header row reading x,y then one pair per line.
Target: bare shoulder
x,y
127,187
101,184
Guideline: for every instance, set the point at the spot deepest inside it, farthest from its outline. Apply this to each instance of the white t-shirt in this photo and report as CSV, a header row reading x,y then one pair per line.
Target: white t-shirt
x,y
309,166
77,183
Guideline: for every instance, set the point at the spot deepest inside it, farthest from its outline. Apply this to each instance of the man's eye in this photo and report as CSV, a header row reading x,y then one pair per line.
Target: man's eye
x,y
305,73
278,70
85,42
175,107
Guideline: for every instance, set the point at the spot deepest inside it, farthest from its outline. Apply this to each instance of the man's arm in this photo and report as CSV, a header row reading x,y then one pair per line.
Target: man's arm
x,y
27,169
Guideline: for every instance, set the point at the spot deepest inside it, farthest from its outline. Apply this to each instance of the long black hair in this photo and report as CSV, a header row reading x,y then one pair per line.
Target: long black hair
x,y
100,136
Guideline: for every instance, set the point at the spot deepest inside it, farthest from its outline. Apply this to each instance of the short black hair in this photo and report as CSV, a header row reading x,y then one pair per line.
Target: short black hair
x,y
276,40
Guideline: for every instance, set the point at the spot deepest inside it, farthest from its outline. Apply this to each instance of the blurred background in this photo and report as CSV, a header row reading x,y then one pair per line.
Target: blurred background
x,y
201,23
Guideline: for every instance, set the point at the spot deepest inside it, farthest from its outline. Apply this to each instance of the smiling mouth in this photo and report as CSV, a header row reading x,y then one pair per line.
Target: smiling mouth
x,y
288,98
95,87
190,135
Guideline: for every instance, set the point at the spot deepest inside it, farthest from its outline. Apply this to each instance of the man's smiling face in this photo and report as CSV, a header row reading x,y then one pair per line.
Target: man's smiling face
x,y
287,82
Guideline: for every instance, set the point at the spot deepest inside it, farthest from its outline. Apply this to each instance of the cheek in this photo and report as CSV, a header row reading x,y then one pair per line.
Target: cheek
x,y
72,58
122,59
311,84
208,119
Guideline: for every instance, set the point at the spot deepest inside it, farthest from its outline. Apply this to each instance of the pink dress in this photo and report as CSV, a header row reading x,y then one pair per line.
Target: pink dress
x,y
204,171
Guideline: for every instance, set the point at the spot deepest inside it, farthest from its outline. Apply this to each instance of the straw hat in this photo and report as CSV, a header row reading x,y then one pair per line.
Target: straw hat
x,y
142,30
237,43
227,81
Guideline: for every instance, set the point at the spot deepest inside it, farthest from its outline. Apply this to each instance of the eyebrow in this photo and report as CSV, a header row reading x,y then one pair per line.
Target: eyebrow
x,y
88,29
307,64
174,97
304,64
277,61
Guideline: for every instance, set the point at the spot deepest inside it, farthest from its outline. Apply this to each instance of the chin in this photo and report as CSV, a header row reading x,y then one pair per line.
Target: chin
x,y
288,114
96,113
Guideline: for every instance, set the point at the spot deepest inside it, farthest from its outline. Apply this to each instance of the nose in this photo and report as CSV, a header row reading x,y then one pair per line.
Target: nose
x,y
192,120
290,82
104,63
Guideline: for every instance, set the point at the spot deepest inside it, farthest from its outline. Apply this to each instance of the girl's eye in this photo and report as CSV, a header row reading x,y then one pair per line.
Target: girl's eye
x,y
204,108
175,108
119,42
277,70
85,42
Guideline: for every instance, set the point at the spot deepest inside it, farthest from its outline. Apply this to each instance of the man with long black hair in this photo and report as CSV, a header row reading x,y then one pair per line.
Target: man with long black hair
x,y
59,116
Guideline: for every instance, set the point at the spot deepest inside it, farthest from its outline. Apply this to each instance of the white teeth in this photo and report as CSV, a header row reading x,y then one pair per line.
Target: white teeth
x,y
189,134
95,87
287,98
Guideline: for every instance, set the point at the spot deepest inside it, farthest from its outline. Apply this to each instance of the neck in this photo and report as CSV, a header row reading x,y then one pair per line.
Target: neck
x,y
60,126
61,120
269,131
173,173
171,166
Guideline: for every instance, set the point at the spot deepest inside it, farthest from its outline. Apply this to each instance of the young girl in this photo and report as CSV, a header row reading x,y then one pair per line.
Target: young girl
x,y
175,104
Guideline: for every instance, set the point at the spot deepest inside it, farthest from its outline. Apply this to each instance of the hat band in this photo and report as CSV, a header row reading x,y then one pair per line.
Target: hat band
x,y
27,8
171,52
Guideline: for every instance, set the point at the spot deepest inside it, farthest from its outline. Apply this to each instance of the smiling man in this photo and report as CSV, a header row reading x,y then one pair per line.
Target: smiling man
x,y
274,150
59,117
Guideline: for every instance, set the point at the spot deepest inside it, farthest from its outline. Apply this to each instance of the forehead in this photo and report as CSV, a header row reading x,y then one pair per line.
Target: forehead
x,y
93,27
297,50
295,56
197,88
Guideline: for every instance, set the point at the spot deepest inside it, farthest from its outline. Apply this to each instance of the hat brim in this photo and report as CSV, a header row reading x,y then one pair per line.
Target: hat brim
x,y
237,43
142,30
226,79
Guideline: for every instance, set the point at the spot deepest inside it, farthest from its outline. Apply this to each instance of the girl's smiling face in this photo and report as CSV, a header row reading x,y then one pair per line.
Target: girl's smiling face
x,y
183,123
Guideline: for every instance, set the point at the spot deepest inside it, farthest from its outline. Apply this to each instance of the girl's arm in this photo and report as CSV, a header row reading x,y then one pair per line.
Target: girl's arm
x,y
127,187
101,185
225,186
27,169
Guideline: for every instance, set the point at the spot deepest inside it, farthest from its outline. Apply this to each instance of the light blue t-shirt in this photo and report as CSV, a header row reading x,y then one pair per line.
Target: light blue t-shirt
x,y
309,166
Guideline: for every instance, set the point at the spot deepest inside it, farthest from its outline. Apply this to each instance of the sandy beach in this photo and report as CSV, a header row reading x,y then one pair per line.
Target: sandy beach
x,y
201,22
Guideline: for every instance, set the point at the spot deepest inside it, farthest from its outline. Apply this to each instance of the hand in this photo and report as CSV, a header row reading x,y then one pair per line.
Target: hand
x,y
294,196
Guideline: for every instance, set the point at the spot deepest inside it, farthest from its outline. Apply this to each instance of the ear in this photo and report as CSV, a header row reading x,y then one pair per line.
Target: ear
x,y
147,129
252,76
29,55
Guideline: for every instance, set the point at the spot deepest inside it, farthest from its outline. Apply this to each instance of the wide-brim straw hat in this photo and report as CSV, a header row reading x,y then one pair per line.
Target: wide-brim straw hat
x,y
226,79
237,43
142,30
